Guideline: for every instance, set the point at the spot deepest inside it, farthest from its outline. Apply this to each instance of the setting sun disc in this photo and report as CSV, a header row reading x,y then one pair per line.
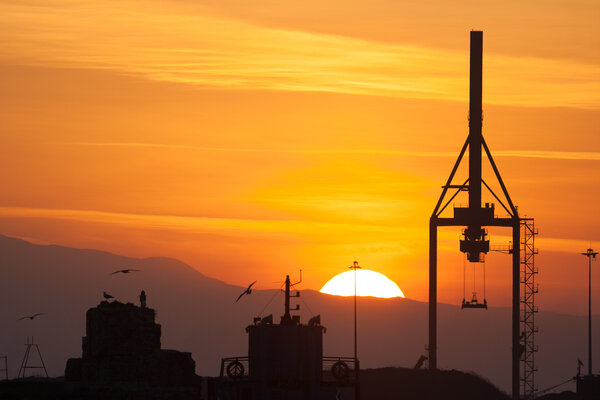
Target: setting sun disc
x,y
368,283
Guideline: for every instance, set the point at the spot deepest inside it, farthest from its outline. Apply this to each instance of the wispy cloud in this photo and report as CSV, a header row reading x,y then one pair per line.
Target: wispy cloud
x,y
291,230
175,43
554,155
265,150
179,221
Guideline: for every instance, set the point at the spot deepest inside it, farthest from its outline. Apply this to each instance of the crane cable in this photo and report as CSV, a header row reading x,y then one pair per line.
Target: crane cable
x,y
465,278
270,301
484,298
554,387
307,307
474,275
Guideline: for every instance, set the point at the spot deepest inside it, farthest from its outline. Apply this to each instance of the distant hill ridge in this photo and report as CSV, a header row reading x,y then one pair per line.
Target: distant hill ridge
x,y
199,314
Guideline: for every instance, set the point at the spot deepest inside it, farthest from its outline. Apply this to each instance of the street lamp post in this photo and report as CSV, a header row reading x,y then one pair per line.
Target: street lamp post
x,y
355,266
590,254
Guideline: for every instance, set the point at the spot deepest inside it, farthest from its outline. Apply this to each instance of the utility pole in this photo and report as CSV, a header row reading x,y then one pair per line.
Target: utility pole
x,y
590,254
355,266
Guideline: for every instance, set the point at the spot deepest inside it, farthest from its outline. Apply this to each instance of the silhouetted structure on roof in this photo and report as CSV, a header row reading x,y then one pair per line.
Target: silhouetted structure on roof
x,y
285,361
122,344
588,387
143,299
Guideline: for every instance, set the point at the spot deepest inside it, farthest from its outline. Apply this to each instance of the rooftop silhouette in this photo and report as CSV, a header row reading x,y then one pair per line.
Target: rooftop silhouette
x,y
122,344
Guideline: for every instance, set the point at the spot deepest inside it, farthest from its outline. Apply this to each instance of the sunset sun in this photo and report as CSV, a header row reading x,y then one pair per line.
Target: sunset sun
x,y
368,283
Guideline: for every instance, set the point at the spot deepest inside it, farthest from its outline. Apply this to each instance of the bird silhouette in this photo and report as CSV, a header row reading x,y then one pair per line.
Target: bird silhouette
x,y
125,271
31,316
247,291
107,296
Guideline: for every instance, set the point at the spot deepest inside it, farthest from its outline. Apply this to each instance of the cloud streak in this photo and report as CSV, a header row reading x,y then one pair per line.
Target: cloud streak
x,y
540,154
294,230
171,42
169,221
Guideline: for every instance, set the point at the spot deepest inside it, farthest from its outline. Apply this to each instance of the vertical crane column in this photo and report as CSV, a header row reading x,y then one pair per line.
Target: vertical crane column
x,y
432,347
475,241
475,122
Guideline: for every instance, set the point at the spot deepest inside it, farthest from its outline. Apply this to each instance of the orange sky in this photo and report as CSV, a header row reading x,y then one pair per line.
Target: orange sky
x,y
251,141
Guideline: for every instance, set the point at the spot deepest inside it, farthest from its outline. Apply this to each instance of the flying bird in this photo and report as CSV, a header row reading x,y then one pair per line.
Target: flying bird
x,y
107,296
247,291
31,316
125,271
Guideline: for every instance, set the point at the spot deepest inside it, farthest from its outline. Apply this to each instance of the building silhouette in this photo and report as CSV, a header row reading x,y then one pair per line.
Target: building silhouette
x,y
284,362
122,344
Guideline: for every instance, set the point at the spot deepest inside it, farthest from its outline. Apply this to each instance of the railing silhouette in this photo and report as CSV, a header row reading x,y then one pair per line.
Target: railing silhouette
x,y
235,368
339,370
334,369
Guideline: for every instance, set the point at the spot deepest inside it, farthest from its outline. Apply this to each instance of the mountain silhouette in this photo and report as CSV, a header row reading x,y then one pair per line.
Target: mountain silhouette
x,y
199,315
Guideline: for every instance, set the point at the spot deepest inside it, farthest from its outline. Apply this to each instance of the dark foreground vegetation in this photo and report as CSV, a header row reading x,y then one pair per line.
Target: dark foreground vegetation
x,y
405,383
377,384
410,384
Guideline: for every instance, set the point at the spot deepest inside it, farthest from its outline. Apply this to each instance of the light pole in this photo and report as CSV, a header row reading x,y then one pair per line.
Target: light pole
x,y
590,254
355,266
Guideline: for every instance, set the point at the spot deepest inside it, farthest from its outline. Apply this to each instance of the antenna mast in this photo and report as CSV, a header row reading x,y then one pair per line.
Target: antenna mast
x,y
287,319
590,254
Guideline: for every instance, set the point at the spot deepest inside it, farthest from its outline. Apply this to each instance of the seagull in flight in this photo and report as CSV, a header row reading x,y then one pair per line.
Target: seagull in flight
x,y
247,291
107,296
125,271
31,316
